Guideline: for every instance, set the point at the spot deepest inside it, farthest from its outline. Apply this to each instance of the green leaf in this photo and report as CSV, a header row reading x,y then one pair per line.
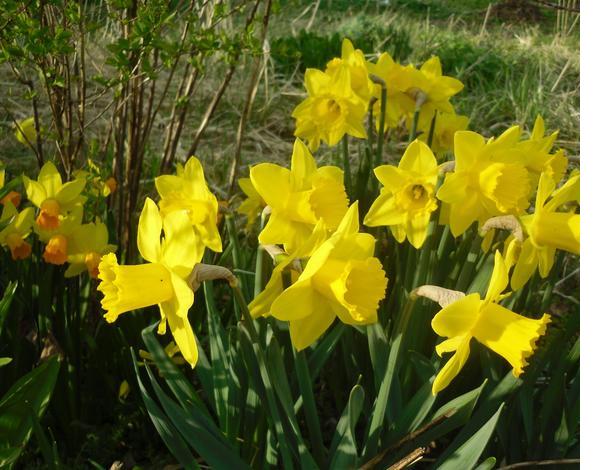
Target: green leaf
x,y
417,409
5,360
217,452
466,455
30,394
166,430
344,450
487,464
6,301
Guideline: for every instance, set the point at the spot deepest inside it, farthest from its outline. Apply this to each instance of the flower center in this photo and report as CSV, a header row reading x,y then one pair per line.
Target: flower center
x,y
49,212
92,260
328,110
56,250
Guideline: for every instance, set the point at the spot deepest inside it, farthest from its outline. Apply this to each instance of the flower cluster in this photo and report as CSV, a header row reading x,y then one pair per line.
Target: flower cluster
x,y
339,98
57,219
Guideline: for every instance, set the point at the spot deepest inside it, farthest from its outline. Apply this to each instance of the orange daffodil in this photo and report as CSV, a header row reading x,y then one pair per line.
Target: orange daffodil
x,y
547,230
19,227
407,197
89,242
341,279
299,198
162,281
54,198
508,334
188,191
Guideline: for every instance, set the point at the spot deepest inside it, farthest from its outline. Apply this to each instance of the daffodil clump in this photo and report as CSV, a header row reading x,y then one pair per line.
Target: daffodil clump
x,y
55,213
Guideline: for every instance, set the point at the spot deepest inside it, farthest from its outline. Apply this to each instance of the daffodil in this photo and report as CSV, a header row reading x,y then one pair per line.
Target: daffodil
x,y
341,279
286,262
446,125
548,230
354,60
489,179
331,110
162,281
54,198
397,81
89,242
407,198
58,239
12,196
431,91
188,191
507,333
25,131
252,206
14,234
299,197
538,158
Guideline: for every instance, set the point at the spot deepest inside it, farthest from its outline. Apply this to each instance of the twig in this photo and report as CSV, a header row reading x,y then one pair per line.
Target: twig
x,y
411,458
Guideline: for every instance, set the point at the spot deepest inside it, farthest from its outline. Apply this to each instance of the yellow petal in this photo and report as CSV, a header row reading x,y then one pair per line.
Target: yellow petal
x,y
390,176
452,367
306,331
149,229
272,182
499,279
182,333
50,179
261,304
416,228
467,147
525,266
303,167
36,193
69,191
449,345
179,248
545,260
349,223
458,318
419,159
509,334
384,211
298,301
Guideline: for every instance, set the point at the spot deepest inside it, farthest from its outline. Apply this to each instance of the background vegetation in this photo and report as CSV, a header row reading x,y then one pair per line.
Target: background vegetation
x,y
516,59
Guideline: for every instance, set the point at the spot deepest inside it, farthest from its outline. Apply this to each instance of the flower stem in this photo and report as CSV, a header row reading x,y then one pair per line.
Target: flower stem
x,y
347,169
260,254
415,123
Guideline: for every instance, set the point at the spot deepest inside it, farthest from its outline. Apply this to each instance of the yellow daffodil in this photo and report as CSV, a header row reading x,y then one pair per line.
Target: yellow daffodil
x,y
489,179
431,91
252,206
261,305
354,60
25,131
89,242
407,198
110,185
446,125
52,197
538,158
188,191
397,80
507,333
299,197
14,234
331,110
547,229
342,278
162,281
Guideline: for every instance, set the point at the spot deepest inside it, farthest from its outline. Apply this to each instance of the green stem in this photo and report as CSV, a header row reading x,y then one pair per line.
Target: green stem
x,y
431,129
382,109
260,254
415,123
347,169
466,274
